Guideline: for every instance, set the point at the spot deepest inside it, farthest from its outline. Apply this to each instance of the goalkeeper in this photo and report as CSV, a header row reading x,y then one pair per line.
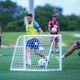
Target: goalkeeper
x,y
32,28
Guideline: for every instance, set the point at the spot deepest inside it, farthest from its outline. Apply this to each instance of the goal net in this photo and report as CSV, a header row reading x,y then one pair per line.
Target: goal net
x,y
47,46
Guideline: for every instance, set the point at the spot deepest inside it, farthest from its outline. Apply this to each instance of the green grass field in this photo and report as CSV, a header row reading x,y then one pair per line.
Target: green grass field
x,y
71,65
11,37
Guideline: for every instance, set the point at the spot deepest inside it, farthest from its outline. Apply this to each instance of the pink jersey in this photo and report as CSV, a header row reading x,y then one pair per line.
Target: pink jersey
x,y
52,24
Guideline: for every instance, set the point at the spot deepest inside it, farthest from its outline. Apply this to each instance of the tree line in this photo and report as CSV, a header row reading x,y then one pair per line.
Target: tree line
x,y
12,17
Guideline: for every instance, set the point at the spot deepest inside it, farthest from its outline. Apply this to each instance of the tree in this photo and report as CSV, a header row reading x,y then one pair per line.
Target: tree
x,y
43,14
9,11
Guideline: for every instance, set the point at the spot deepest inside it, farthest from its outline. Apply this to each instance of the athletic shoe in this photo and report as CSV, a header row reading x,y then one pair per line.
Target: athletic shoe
x,y
28,62
47,57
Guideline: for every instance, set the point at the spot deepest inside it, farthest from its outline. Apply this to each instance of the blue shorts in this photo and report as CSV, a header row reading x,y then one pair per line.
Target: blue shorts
x,y
78,44
33,44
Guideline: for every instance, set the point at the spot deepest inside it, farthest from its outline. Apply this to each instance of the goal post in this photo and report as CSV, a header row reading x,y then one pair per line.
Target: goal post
x,y
19,55
54,63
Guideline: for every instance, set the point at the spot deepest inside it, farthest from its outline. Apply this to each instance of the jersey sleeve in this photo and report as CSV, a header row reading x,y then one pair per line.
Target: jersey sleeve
x,y
49,24
36,25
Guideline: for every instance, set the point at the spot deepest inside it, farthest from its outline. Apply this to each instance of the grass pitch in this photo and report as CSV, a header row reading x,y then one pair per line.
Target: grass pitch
x,y
71,65
71,69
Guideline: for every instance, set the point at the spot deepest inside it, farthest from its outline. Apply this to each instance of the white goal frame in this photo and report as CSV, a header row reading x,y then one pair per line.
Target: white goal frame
x,y
24,54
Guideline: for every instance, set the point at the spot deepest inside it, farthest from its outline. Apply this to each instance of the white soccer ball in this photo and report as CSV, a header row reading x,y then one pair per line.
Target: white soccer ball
x,y
42,62
54,30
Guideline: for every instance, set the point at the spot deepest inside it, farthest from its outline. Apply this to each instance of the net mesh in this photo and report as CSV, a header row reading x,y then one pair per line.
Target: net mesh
x,y
19,56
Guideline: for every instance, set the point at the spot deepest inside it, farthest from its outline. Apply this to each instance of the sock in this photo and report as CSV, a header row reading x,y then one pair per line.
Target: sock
x,y
63,57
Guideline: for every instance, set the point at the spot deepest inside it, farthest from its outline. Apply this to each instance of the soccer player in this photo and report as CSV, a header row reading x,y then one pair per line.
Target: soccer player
x,y
75,46
54,24
0,36
33,28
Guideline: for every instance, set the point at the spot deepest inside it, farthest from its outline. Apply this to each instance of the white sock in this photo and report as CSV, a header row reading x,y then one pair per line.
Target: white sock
x,y
29,61
63,57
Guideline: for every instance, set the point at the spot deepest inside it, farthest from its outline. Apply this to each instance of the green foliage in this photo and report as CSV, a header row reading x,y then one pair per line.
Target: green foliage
x,y
43,15
16,26
10,11
9,38
11,16
66,23
71,69
69,23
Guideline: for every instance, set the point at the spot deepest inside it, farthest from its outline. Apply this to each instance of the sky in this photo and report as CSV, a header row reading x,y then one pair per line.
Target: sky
x,y
69,6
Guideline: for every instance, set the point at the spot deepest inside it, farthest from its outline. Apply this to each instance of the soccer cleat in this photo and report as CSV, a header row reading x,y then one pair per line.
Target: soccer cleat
x,y
56,51
47,58
52,51
28,62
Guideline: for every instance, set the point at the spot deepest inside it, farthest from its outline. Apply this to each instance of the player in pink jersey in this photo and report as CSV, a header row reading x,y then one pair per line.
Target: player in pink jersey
x,y
54,24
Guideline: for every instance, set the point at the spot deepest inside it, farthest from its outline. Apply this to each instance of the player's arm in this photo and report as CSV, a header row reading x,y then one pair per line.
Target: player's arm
x,y
40,30
49,25
70,50
58,27
36,25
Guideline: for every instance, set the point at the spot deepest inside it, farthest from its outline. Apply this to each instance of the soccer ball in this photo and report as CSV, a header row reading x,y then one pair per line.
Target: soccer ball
x,y
54,30
42,62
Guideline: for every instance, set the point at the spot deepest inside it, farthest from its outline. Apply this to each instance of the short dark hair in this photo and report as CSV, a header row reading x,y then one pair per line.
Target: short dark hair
x,y
30,15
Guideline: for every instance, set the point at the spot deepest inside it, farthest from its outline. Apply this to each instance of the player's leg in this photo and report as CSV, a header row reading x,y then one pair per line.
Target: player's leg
x,y
28,56
36,48
0,41
29,46
71,49
51,40
56,45
40,54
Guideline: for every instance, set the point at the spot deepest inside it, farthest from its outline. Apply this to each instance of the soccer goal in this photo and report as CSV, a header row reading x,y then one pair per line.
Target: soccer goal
x,y
46,47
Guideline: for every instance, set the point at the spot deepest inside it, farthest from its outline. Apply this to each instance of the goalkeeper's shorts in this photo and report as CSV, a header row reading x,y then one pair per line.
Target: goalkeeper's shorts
x,y
78,44
33,44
